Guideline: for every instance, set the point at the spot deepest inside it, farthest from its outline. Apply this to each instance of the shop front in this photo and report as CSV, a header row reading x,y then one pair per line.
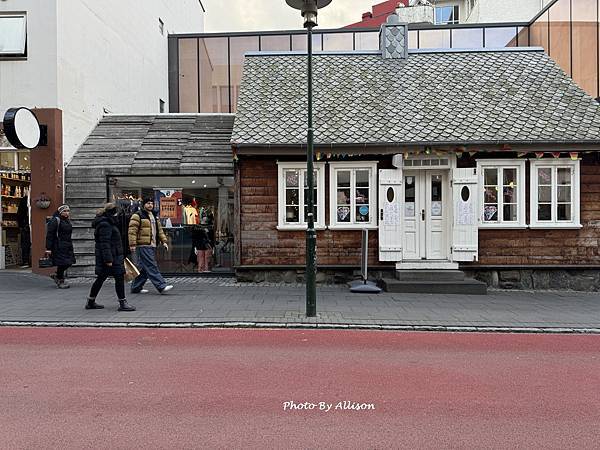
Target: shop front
x,y
184,162
192,211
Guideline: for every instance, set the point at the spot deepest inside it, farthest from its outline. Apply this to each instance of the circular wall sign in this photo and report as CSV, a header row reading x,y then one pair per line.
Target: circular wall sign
x,y
22,128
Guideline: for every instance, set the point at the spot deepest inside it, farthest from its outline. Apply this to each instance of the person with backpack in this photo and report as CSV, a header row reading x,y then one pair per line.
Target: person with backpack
x,y
110,257
145,233
59,244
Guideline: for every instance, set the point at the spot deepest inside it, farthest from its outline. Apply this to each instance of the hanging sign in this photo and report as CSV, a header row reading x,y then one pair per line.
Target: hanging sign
x,y
22,128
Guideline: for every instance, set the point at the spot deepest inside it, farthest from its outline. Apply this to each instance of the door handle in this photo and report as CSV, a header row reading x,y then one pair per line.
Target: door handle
x,y
381,214
423,215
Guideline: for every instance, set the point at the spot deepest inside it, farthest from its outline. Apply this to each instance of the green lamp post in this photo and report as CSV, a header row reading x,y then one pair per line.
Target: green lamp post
x,y
309,10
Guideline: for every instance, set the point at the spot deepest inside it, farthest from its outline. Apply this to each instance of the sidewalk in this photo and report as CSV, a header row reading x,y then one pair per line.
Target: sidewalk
x,y
26,299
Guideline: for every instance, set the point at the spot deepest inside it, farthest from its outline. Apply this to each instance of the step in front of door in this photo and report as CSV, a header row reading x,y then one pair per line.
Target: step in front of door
x,y
466,287
430,275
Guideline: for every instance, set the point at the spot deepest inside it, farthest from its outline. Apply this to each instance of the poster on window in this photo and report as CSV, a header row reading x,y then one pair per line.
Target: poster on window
x,y
436,209
490,213
168,204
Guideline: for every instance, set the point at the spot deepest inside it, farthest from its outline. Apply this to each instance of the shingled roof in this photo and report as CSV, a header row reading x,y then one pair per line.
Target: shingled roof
x,y
469,97
167,144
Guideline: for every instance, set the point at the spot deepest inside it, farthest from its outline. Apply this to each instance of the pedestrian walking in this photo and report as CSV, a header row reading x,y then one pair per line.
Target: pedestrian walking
x,y
145,233
59,244
202,248
110,257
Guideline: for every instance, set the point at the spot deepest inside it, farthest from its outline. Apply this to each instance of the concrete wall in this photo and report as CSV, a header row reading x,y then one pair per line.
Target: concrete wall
x,y
88,56
416,14
113,58
490,11
32,82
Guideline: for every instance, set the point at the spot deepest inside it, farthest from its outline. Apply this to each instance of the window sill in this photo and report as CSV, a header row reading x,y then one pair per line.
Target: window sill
x,y
556,226
353,227
298,227
503,227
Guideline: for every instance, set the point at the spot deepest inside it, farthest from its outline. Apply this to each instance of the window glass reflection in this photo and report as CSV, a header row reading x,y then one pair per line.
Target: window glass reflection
x,y
467,38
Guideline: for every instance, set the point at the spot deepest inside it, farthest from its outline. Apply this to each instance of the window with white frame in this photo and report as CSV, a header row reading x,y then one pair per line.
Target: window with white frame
x,y
502,195
554,197
13,34
446,15
353,194
293,195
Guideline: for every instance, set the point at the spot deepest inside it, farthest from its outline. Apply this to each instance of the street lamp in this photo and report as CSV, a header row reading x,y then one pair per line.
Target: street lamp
x,y
309,10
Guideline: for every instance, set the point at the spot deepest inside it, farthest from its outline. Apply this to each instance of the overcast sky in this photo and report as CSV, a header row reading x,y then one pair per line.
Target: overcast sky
x,y
252,15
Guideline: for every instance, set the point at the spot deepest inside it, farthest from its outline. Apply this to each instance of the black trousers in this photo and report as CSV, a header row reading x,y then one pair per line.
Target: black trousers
x,y
60,272
119,286
25,246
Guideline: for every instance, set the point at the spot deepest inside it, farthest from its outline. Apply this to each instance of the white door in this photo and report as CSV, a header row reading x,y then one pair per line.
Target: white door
x,y
425,215
465,230
436,214
390,215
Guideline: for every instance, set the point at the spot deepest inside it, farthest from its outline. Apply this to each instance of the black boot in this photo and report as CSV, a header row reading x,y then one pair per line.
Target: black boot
x,y
91,304
124,306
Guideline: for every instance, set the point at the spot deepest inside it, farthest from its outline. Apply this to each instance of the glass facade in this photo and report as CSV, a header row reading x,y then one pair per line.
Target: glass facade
x,y
196,214
210,65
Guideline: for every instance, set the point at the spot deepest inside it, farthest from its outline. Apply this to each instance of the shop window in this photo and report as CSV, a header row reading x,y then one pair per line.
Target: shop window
x,y
196,213
293,195
13,34
502,202
554,197
353,196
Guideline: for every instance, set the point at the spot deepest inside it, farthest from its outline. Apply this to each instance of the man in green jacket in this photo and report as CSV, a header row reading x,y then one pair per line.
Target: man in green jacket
x,y
145,233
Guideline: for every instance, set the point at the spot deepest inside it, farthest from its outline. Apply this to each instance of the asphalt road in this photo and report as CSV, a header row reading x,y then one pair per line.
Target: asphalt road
x,y
155,388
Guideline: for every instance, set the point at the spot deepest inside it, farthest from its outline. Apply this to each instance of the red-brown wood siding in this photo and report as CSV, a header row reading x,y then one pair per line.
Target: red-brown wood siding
x,y
262,244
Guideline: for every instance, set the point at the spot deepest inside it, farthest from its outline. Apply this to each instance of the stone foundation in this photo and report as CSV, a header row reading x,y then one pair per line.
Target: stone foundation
x,y
326,276
587,280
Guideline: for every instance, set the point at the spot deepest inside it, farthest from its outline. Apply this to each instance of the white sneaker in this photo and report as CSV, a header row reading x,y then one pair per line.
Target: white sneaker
x,y
166,289
144,291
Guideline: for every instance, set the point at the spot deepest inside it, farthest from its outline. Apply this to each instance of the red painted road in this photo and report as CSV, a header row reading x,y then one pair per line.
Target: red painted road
x,y
133,388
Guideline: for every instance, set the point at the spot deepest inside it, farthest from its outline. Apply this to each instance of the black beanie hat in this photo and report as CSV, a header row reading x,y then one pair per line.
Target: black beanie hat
x,y
147,200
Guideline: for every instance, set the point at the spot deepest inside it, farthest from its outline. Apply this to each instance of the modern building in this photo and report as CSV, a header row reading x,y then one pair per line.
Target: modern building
x,y
78,60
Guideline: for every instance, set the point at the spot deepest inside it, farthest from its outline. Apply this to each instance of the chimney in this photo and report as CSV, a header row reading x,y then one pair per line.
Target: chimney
x,y
393,38
367,15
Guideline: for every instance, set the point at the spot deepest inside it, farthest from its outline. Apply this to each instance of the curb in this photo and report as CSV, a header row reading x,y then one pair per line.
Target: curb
x,y
299,325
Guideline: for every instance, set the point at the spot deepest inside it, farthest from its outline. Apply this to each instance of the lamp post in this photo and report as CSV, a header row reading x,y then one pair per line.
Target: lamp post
x,y
309,10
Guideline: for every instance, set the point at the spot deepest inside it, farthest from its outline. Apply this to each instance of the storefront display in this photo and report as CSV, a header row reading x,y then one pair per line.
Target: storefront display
x,y
188,208
15,183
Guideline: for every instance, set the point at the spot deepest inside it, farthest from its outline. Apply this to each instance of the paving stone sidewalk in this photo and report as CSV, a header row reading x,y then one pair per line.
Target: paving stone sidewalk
x,y
195,301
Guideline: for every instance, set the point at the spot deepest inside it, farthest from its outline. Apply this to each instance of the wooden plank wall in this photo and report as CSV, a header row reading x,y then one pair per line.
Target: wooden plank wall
x,y
262,244
162,145
551,247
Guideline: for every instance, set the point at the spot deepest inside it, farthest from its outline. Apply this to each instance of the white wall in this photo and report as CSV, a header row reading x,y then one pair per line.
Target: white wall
x,y
112,56
32,82
490,11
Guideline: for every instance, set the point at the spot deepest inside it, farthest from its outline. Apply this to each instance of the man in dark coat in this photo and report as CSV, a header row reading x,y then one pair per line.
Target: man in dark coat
x,y
110,257
59,245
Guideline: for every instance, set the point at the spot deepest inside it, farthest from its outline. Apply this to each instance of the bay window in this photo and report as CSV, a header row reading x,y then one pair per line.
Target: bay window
x,y
353,195
293,195
554,197
502,197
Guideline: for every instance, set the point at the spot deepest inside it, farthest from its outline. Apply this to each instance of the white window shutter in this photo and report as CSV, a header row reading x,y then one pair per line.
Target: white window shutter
x,y
390,214
466,215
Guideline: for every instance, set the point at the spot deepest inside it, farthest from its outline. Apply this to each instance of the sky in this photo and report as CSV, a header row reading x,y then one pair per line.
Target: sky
x,y
253,15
